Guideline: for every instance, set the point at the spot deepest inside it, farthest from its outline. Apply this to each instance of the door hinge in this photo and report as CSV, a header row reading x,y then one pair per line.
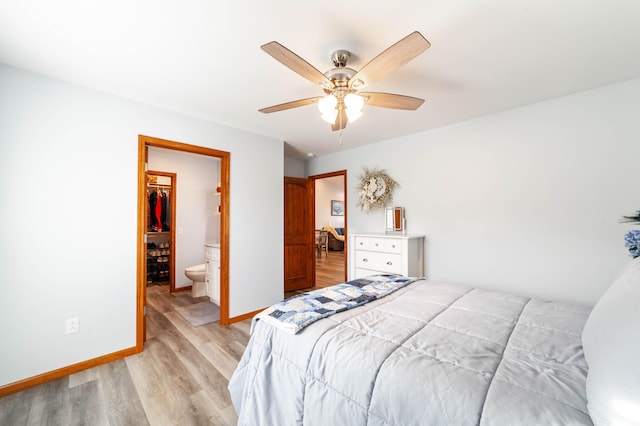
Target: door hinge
x,y
144,310
144,238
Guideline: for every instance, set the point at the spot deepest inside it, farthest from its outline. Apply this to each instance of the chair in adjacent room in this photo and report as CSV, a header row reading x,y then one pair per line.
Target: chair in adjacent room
x,y
322,242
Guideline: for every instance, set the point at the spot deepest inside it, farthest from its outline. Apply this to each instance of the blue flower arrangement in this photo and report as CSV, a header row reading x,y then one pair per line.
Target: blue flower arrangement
x,y
632,238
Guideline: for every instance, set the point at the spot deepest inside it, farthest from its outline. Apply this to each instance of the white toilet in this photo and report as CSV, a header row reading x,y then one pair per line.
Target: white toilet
x,y
197,274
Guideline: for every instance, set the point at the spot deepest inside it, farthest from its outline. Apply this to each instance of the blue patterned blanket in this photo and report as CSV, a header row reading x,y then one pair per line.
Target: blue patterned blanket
x,y
293,314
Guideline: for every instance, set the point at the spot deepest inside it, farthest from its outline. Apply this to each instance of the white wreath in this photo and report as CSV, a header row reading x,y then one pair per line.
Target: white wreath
x,y
375,190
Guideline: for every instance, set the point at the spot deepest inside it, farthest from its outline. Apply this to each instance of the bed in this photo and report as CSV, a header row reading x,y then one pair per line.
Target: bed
x,y
432,353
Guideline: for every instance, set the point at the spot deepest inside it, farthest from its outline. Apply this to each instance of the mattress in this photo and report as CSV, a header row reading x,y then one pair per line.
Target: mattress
x,y
428,354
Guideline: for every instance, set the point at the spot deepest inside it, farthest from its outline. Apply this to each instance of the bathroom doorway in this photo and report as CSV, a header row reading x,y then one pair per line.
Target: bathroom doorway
x,y
144,144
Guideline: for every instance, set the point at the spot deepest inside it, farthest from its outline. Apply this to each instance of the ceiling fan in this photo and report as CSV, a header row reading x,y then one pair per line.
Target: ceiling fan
x,y
343,101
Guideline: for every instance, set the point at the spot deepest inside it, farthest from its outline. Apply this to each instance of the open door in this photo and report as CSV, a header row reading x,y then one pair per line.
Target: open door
x,y
299,241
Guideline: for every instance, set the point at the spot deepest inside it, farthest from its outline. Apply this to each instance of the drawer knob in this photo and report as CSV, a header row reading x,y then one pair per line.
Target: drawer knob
x,y
389,263
361,243
376,244
365,260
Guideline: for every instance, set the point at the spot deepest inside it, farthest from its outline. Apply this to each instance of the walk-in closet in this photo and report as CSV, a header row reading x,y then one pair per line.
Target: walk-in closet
x,y
160,219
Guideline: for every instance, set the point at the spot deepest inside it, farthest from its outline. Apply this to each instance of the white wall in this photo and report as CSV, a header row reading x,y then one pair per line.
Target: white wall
x,y
328,189
526,201
197,218
68,174
294,167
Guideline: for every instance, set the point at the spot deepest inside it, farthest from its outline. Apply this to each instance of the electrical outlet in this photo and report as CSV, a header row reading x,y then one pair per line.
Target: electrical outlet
x,y
73,325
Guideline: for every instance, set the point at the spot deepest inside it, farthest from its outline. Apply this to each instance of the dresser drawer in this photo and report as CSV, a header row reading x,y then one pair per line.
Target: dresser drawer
x,y
393,245
370,243
382,262
387,245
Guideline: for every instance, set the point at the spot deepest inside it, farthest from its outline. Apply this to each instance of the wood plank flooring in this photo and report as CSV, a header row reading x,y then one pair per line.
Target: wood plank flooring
x,y
330,268
181,377
329,271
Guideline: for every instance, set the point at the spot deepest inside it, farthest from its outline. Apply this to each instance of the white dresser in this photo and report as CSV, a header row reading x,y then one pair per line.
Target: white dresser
x,y
212,280
387,253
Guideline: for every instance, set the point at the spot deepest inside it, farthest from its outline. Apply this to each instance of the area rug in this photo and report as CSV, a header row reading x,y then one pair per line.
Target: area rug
x,y
200,314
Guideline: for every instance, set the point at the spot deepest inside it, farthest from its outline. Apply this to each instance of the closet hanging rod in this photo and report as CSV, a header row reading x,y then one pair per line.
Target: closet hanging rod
x,y
158,185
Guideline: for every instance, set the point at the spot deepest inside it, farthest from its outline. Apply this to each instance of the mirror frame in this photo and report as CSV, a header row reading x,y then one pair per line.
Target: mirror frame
x,y
394,219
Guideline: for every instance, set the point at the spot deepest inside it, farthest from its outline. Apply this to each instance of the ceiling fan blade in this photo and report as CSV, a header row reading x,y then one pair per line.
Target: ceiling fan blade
x,y
392,59
341,121
289,105
297,64
390,100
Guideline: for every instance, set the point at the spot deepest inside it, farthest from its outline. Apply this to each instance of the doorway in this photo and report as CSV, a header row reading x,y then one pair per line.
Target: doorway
x,y
330,215
160,228
144,143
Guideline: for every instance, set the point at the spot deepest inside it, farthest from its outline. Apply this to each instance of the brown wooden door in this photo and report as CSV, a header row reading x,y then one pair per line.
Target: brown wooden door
x,y
299,242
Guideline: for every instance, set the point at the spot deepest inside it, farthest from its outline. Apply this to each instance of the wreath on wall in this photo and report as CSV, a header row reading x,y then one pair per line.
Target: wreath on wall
x,y
375,189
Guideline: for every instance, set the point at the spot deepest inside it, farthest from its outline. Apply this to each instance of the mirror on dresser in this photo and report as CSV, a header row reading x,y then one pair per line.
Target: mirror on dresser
x,y
394,219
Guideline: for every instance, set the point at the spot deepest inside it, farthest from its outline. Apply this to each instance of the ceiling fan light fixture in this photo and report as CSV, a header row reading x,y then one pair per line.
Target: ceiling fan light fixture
x,y
341,83
327,107
327,104
354,104
353,115
357,83
330,117
325,85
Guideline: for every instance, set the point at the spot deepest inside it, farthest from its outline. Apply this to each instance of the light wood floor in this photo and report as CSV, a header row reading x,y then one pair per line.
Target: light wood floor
x,y
329,271
181,377
330,268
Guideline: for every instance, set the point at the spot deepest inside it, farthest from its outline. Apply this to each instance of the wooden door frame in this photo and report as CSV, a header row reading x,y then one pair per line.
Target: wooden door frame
x,y
141,294
342,173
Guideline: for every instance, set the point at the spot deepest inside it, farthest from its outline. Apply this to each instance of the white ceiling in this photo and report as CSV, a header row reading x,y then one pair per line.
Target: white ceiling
x,y
203,57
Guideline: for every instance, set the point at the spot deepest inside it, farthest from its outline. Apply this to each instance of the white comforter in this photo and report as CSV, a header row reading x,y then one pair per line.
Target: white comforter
x,y
429,354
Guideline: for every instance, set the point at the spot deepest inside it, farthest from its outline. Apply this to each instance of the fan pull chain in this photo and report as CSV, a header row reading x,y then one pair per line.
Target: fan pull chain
x,y
341,127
